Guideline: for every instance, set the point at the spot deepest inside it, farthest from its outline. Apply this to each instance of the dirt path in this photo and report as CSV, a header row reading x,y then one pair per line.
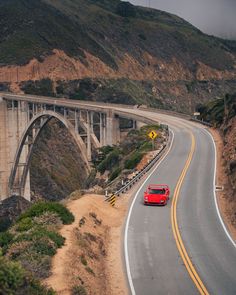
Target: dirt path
x,y
67,269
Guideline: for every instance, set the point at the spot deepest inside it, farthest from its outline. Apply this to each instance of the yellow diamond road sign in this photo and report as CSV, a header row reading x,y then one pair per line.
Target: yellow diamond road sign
x,y
152,134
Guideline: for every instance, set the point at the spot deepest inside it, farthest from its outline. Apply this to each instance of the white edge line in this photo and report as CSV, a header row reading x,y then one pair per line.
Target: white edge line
x,y
215,198
128,219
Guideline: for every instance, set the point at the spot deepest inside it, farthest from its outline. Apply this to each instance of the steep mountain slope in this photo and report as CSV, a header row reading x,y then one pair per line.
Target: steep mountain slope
x,y
95,27
72,40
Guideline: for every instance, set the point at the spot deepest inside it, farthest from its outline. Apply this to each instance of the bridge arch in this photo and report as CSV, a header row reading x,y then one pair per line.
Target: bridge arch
x,y
19,170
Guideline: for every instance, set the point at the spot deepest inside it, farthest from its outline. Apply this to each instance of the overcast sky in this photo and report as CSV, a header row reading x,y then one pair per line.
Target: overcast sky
x,y
216,17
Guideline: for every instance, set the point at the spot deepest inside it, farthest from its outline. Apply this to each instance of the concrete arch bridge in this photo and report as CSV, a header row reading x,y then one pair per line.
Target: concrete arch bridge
x,y
23,117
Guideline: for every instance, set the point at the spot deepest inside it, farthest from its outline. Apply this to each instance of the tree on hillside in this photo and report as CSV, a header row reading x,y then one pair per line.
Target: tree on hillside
x,y
219,110
126,9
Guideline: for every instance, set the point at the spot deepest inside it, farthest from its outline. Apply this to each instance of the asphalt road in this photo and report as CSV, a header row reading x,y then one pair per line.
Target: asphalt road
x,y
154,263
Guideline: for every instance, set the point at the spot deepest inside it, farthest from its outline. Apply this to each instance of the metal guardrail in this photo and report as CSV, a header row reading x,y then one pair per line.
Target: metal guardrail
x,y
142,172
201,122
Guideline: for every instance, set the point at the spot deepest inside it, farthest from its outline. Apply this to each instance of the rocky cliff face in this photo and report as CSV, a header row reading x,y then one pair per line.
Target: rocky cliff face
x,y
56,166
229,154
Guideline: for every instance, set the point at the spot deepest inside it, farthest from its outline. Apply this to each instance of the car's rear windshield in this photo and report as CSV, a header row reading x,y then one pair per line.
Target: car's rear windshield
x,y
157,191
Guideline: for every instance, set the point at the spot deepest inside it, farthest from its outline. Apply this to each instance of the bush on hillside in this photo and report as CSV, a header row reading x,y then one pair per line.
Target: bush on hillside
x,y
42,207
5,223
79,290
5,240
111,160
15,280
33,287
24,224
39,233
48,220
126,9
115,173
44,246
11,276
132,162
218,110
41,87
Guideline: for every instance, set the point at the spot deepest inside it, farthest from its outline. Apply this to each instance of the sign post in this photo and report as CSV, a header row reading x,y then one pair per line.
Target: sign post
x,y
152,135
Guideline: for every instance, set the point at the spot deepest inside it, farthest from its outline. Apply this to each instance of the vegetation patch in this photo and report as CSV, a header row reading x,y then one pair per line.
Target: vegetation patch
x,y
5,240
5,223
79,290
89,270
83,260
40,87
29,245
128,154
14,279
218,110
132,162
42,207
24,224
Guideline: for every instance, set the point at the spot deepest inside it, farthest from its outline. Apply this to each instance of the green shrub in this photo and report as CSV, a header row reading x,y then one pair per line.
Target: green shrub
x,y
40,87
111,160
33,287
58,240
44,247
49,220
89,270
142,36
24,224
146,146
126,9
14,280
37,264
39,233
5,223
5,240
11,276
90,178
83,260
42,207
115,173
17,249
78,290
132,162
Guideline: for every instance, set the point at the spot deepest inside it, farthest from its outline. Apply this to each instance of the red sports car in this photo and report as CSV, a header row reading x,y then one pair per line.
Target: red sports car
x,y
156,194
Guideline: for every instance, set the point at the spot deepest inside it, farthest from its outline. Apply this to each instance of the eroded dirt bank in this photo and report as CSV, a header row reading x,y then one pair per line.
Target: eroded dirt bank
x,y
91,257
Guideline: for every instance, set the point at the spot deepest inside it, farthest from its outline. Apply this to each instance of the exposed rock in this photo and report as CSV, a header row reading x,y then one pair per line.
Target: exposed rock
x,y
10,209
56,166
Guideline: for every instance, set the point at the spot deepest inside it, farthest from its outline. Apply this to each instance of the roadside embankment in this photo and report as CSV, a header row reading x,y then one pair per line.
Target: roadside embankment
x,y
91,259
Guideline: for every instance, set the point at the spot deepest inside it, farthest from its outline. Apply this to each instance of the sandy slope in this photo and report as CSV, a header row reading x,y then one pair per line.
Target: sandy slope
x,y
67,269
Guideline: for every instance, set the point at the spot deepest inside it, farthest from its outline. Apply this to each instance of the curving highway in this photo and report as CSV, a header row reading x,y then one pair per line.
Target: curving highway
x,y
154,262
182,248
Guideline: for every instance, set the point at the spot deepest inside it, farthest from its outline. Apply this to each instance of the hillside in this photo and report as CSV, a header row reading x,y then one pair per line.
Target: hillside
x,y
108,42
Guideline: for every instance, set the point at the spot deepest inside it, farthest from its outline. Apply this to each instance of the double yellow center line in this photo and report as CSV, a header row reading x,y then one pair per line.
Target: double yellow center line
x,y
183,253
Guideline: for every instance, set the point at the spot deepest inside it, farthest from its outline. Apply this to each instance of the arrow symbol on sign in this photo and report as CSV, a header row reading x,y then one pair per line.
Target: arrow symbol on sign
x,y
153,134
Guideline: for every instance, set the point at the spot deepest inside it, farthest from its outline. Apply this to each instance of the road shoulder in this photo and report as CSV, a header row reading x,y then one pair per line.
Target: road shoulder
x,y
225,206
